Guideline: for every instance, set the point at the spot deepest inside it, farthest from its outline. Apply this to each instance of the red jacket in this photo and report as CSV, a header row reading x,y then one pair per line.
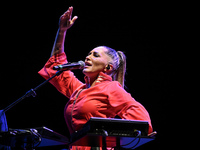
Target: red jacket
x,y
105,99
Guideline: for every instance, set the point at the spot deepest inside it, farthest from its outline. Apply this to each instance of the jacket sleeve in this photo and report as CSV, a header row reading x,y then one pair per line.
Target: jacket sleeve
x,y
127,107
66,83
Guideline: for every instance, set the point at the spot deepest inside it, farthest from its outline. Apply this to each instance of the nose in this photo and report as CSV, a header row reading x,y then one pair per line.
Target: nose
x,y
87,58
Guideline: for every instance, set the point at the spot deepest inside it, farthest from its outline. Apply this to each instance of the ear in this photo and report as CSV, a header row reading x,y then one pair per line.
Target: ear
x,y
108,69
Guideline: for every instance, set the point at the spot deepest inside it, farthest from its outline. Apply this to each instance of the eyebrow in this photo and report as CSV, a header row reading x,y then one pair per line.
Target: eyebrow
x,y
95,52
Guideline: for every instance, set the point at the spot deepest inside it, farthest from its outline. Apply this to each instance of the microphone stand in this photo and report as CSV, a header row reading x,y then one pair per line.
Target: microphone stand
x,y
31,92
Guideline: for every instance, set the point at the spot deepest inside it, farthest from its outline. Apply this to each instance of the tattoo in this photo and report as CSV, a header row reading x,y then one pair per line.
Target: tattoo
x,y
58,47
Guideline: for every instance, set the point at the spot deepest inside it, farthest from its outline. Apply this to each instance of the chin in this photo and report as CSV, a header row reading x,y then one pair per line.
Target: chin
x,y
89,73
86,71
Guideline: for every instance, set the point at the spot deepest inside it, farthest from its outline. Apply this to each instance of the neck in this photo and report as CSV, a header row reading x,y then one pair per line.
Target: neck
x,y
91,81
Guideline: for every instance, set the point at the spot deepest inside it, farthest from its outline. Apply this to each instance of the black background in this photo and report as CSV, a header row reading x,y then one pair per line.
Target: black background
x,y
142,31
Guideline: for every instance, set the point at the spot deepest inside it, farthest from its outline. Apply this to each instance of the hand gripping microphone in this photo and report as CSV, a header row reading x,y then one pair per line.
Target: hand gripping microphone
x,y
70,66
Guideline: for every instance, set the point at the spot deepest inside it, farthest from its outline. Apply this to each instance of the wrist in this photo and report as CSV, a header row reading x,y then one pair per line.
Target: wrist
x,y
62,32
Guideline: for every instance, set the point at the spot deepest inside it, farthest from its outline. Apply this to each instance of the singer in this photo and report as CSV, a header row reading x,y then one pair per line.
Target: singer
x,y
102,94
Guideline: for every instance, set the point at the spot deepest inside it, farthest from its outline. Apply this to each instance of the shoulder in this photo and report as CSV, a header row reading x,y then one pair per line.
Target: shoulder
x,y
115,86
118,96
115,89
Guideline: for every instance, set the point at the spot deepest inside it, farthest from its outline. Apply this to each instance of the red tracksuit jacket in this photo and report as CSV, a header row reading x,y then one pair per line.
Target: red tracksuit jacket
x,y
105,99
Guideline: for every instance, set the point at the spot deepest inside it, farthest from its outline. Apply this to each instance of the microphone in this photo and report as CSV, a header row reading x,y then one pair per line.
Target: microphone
x,y
70,66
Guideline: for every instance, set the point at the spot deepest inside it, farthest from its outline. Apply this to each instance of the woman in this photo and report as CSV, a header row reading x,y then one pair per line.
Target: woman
x,y
103,94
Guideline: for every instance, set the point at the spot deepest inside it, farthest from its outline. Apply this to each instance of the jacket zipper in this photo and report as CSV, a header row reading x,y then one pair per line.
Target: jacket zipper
x,y
73,107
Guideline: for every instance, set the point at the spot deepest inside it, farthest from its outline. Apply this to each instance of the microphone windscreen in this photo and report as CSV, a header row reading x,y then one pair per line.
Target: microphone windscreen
x,y
82,63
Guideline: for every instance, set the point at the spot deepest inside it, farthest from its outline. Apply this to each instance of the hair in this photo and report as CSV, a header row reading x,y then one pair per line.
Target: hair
x,y
119,65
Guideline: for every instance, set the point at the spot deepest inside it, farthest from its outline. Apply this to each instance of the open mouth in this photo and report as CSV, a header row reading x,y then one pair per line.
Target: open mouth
x,y
88,64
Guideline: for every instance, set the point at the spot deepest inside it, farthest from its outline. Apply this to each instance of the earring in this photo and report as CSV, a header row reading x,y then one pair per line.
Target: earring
x,y
108,67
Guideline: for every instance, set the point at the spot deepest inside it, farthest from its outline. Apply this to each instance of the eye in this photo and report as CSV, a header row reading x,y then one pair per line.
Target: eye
x,y
96,54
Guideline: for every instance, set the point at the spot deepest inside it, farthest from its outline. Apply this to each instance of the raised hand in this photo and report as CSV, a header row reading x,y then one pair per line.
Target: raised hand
x,y
65,20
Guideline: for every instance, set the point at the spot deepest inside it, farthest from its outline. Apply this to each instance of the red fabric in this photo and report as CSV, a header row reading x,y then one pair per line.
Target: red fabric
x,y
105,99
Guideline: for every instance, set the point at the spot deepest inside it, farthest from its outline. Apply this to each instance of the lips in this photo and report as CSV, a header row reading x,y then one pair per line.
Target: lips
x,y
88,64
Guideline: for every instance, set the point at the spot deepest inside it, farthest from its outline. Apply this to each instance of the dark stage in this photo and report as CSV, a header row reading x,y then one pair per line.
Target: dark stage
x,y
142,31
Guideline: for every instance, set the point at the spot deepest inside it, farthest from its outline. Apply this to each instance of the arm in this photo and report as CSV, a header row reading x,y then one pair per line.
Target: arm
x,y
66,83
64,24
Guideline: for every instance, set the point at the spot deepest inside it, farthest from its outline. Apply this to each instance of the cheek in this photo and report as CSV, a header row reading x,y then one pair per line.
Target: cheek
x,y
98,65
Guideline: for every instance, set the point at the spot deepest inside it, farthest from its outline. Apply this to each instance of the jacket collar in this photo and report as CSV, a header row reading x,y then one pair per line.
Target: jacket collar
x,y
101,78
